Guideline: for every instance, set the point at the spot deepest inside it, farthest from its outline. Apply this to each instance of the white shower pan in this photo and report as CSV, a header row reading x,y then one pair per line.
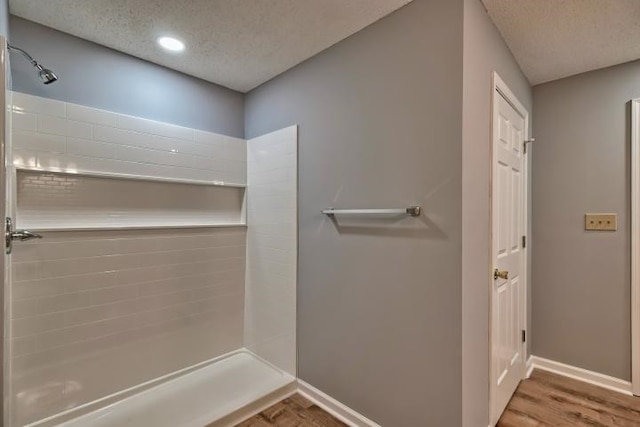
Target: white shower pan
x,y
208,396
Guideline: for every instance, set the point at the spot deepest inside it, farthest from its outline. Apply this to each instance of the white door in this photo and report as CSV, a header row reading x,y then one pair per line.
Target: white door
x,y
508,225
5,151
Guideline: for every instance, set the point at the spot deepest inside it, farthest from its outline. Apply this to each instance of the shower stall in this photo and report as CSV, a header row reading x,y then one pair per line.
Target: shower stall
x,y
162,289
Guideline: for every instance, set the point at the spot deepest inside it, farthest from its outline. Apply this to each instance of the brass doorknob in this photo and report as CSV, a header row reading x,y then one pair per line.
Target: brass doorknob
x,y
500,274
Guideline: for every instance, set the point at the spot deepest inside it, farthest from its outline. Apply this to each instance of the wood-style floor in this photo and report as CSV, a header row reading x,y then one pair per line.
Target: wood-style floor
x,y
295,411
547,399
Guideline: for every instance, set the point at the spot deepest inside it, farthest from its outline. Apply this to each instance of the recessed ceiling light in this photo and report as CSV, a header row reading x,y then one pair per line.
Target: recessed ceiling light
x,y
171,44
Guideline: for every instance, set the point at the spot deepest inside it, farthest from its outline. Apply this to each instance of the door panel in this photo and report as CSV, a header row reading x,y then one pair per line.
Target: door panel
x,y
4,208
508,210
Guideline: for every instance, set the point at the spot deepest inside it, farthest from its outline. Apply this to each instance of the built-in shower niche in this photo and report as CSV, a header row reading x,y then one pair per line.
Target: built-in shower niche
x,y
64,201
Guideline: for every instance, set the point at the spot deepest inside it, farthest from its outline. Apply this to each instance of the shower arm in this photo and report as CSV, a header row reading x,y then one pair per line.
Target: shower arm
x,y
46,75
26,55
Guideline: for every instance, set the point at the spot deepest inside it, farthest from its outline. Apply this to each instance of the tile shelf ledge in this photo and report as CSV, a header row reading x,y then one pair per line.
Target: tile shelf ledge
x,y
114,175
48,228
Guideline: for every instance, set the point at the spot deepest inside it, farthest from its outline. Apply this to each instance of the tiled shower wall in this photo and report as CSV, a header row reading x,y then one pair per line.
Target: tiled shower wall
x,y
96,312
272,243
54,135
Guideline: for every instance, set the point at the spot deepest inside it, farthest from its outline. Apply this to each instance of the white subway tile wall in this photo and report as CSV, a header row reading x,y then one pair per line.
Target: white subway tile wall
x,y
272,247
96,312
58,136
69,201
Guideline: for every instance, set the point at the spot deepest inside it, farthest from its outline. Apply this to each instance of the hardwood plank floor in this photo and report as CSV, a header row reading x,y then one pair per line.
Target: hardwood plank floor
x,y
547,399
295,411
543,400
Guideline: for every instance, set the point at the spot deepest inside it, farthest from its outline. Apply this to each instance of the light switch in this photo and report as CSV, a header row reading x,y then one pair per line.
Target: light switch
x,y
601,222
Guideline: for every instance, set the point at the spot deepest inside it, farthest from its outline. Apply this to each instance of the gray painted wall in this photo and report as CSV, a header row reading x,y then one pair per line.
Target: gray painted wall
x,y
379,302
581,163
484,53
94,75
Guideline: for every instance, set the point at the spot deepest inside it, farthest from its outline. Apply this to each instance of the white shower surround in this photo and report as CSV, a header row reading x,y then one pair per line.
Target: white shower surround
x,y
51,302
58,136
272,248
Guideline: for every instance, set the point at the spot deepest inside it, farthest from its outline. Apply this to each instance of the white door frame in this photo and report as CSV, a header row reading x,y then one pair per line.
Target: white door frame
x,y
500,88
635,246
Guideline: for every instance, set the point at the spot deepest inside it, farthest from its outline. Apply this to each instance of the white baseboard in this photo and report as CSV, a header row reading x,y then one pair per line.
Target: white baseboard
x,y
595,378
335,408
355,419
529,367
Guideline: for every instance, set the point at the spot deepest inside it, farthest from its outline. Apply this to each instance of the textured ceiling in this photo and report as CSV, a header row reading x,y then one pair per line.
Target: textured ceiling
x,y
236,43
552,39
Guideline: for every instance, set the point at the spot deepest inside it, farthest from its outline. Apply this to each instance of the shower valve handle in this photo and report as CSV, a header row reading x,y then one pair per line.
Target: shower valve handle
x,y
10,235
24,235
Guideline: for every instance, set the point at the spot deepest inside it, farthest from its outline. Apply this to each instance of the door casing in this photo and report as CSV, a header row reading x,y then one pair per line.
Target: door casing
x,y
635,246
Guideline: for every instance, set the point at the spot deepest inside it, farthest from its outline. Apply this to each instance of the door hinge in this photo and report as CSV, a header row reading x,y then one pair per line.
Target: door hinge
x,y
524,336
526,142
524,241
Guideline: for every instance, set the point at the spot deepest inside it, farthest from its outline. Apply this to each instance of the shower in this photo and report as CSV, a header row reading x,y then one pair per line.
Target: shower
x,y
46,75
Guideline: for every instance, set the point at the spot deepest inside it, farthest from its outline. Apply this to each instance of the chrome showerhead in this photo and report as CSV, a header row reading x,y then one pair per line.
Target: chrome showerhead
x,y
46,75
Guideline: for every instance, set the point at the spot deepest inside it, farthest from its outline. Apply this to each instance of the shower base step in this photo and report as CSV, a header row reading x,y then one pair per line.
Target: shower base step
x,y
208,396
